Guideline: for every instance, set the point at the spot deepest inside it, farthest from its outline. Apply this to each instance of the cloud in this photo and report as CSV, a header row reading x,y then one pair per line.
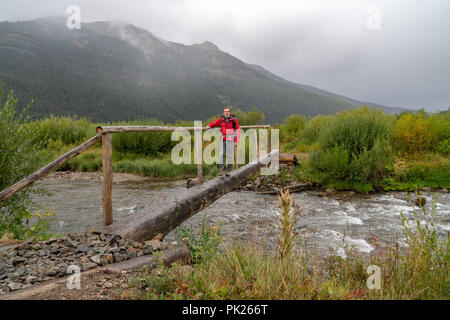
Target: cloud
x,y
323,43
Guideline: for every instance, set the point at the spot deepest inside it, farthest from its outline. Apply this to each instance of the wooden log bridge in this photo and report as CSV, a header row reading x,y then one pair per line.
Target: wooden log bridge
x,y
152,221
104,134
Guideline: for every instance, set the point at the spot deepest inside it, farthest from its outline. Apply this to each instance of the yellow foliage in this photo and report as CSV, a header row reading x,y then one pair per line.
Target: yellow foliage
x,y
414,134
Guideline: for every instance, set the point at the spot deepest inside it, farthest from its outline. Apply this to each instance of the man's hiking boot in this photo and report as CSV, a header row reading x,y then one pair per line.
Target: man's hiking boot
x,y
222,174
227,173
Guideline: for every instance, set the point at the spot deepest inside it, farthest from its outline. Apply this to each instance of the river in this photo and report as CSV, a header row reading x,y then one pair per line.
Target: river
x,y
326,224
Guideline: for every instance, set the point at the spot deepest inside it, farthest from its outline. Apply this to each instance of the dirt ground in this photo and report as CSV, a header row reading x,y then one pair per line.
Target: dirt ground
x,y
100,285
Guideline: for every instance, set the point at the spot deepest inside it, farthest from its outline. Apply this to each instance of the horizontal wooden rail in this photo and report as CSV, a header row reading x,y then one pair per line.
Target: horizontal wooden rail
x,y
112,129
7,193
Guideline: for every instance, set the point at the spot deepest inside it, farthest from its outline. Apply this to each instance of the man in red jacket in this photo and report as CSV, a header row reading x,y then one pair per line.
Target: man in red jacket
x,y
229,126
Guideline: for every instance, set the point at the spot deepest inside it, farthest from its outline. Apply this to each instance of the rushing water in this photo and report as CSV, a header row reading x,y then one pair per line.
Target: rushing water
x,y
326,223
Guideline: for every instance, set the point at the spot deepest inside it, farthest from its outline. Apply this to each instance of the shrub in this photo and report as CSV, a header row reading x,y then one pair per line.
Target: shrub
x,y
354,147
292,129
314,128
18,158
415,134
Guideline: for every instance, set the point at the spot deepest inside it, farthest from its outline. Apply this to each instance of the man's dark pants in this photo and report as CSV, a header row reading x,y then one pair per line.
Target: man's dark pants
x,y
227,151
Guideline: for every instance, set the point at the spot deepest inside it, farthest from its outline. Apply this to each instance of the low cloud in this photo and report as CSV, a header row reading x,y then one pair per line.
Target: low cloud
x,y
323,43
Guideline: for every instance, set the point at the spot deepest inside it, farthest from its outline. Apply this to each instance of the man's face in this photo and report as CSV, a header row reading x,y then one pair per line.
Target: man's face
x,y
226,112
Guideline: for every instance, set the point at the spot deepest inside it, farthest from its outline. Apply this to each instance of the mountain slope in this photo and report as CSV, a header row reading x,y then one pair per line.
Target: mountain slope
x,y
112,71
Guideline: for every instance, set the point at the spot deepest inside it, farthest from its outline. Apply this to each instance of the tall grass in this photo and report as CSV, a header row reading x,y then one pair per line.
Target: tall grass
x,y
65,129
287,221
143,143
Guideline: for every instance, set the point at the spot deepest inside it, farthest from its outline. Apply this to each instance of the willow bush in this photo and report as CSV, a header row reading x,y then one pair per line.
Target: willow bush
x,y
355,146
416,134
18,158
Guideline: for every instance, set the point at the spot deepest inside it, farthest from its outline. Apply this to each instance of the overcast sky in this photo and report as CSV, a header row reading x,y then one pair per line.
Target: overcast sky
x,y
334,45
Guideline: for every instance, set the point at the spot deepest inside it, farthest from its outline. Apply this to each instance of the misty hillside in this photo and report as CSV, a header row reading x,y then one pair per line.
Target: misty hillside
x,y
111,71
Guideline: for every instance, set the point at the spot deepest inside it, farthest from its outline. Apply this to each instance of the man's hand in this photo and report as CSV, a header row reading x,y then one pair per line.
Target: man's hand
x,y
208,126
236,143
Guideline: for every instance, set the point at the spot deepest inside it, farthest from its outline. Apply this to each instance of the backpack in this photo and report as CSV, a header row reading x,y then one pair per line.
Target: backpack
x,y
232,118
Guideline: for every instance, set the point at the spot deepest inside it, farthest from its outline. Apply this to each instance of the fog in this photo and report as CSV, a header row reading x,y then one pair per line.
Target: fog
x,y
394,53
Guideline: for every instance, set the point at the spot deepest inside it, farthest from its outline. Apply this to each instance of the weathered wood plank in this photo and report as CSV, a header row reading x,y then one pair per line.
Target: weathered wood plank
x,y
112,129
5,194
152,221
107,178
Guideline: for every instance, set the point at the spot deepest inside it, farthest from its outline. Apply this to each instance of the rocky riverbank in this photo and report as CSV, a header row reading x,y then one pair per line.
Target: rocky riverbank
x,y
32,262
272,185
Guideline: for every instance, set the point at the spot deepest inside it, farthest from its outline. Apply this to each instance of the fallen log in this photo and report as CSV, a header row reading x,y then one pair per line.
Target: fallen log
x,y
288,159
149,223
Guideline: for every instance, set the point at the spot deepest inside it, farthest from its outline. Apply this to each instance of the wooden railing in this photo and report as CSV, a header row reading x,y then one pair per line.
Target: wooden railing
x,y
104,134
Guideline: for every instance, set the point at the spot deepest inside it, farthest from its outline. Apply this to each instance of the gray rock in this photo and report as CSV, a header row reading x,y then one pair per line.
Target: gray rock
x,y
30,240
97,258
5,288
20,272
113,250
100,250
117,257
52,271
155,244
69,243
29,254
18,260
83,248
113,239
14,286
88,266
11,253
51,241
2,268
42,253
31,279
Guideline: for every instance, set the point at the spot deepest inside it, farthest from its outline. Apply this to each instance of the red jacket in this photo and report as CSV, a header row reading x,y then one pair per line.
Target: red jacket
x,y
228,128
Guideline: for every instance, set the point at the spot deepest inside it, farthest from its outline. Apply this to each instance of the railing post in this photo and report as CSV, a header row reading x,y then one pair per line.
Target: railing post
x,y
107,178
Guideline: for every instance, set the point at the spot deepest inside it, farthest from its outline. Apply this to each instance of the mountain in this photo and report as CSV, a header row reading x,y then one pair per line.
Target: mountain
x,y
112,71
